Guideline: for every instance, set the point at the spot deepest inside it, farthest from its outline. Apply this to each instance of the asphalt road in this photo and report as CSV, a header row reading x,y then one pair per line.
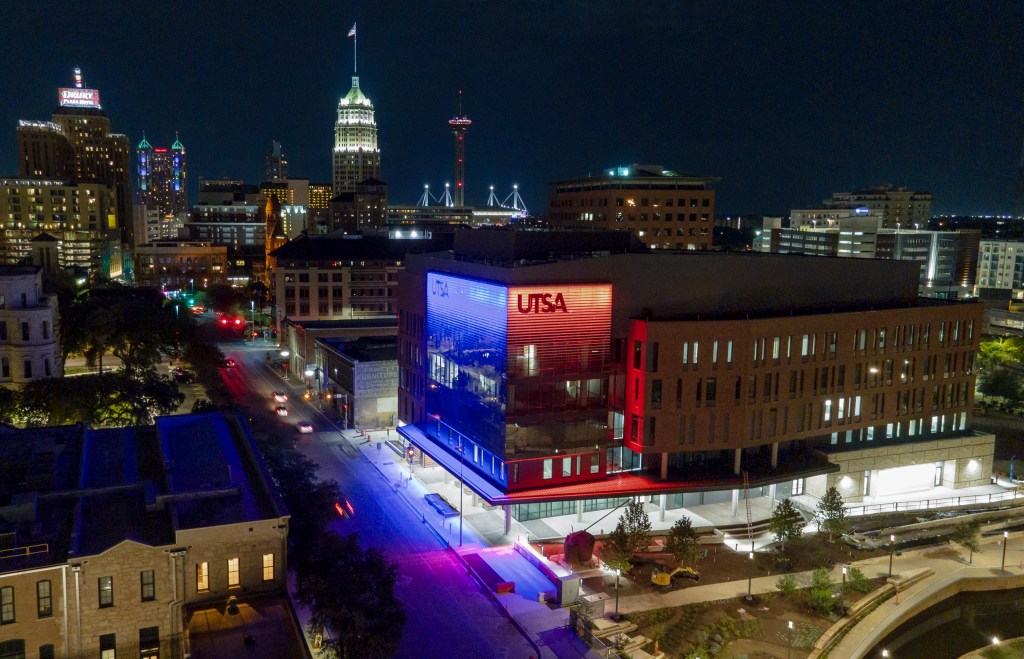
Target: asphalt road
x,y
447,614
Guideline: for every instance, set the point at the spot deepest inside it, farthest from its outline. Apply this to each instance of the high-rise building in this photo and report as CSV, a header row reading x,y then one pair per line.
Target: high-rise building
x,y
899,207
97,154
356,156
44,150
162,175
277,163
31,351
665,209
557,372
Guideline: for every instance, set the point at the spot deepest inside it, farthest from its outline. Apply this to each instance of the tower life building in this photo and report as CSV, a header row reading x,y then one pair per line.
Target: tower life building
x,y
356,156
162,176
277,163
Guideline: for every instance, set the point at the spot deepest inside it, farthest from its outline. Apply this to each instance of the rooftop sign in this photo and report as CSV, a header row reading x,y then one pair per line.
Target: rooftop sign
x,y
74,97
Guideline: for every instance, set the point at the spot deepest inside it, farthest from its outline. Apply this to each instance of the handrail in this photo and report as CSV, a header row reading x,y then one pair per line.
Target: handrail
x,y
27,550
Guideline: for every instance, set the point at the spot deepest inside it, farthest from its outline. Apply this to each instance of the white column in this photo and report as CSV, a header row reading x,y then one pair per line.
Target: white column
x,y
736,467
662,501
735,503
508,518
579,510
775,455
771,494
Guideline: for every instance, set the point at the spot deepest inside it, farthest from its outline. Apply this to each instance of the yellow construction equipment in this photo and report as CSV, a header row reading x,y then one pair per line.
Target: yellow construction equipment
x,y
665,578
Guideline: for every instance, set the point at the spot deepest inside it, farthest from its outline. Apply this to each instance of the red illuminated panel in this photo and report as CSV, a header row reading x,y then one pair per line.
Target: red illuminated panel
x,y
558,329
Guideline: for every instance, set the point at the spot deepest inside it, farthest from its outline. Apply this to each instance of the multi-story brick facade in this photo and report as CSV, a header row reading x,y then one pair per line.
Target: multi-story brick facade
x,y
111,552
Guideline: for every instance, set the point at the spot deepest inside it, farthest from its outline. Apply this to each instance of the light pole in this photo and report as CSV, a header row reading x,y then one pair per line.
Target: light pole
x,y
789,655
617,573
842,593
252,305
1006,538
750,575
462,464
892,540
192,284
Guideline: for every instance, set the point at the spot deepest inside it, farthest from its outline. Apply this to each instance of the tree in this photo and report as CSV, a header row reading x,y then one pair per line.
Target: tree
x,y
637,526
617,550
1000,352
786,585
110,399
1000,382
831,514
968,535
855,580
351,596
683,542
819,597
786,523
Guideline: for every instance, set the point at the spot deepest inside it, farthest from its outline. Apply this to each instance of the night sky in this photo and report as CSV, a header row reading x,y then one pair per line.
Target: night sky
x,y
784,101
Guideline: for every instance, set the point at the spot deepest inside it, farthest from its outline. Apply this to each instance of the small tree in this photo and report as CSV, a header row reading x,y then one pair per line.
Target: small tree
x,y
819,597
968,536
786,585
618,550
831,514
856,581
637,526
786,523
683,542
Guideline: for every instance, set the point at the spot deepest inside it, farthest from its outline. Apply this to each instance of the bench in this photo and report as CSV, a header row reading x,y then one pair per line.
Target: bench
x,y
438,503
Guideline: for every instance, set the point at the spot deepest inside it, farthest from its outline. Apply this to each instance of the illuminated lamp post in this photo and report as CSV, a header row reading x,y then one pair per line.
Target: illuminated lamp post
x,y
789,654
1006,539
892,540
750,575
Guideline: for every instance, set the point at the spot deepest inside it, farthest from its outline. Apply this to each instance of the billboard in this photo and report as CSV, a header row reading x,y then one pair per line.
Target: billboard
x,y
73,97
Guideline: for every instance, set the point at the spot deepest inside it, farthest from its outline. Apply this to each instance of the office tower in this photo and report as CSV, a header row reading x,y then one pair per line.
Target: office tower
x,y
900,208
277,163
663,208
162,175
356,156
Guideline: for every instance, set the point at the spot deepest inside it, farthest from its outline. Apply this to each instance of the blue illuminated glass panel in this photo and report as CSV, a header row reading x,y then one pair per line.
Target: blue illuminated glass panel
x,y
467,331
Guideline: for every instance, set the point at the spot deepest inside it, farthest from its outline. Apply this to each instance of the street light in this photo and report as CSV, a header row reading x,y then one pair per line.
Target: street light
x,y
789,655
885,653
1006,538
617,573
892,540
750,575
462,463
842,592
252,305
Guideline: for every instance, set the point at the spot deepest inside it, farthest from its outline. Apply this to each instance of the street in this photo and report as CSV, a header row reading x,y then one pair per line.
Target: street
x,y
447,614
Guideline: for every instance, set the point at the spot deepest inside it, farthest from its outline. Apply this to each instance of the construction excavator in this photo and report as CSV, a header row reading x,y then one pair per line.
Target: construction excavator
x,y
665,578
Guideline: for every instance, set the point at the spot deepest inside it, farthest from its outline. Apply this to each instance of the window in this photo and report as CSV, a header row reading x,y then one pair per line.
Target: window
x,y
28,368
268,567
595,463
148,581
24,332
5,367
44,599
638,354
46,329
232,573
108,646
566,467
728,353
6,605
548,466
149,643
656,393
12,649
46,651
202,577
106,588
3,330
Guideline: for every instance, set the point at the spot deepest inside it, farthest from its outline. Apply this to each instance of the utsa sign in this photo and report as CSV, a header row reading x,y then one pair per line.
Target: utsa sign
x,y
439,287
541,303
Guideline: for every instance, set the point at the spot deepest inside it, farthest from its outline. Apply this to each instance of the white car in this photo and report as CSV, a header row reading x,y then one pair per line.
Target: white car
x,y
304,427
280,396
281,410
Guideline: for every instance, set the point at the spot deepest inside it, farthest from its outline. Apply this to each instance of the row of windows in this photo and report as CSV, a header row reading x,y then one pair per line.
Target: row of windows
x,y
337,307
338,291
26,368
26,330
203,573
566,465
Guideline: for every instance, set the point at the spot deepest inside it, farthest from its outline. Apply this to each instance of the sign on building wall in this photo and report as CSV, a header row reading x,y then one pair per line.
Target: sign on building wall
x,y
78,98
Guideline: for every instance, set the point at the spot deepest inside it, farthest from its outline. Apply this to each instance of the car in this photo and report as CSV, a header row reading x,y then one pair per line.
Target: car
x,y
344,508
304,427
281,410
183,376
229,363
280,396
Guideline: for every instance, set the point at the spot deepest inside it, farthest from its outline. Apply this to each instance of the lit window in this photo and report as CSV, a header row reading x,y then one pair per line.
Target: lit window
x,y
548,466
203,577
6,605
232,573
44,599
268,567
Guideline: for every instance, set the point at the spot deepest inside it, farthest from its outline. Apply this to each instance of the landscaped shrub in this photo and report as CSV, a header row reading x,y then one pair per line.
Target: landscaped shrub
x,y
786,585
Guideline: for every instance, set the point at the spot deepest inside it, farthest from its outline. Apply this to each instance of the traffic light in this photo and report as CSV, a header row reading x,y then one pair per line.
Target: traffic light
x,y
344,408
410,452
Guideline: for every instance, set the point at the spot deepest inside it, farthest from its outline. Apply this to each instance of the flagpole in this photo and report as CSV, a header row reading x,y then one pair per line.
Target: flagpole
x,y
355,51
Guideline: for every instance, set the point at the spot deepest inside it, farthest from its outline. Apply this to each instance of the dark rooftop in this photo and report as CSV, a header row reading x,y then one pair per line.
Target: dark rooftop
x,y
365,349
379,248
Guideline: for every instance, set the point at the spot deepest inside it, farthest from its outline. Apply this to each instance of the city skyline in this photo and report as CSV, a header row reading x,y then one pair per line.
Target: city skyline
x,y
785,105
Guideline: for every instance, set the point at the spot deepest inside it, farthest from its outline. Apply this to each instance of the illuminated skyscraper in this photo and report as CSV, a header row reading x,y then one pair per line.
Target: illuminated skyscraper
x,y
277,163
356,156
162,176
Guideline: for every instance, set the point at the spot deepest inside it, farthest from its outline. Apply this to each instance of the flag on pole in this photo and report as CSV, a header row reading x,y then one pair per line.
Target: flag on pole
x,y
352,32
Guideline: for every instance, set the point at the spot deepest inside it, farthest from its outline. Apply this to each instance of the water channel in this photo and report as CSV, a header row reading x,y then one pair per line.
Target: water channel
x,y
955,626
